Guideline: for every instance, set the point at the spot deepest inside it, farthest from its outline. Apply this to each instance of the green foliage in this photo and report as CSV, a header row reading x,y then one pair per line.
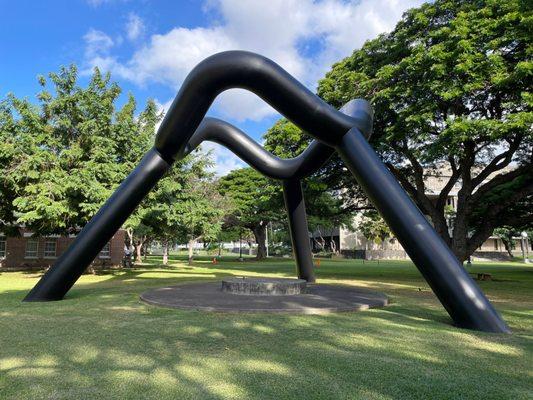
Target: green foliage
x,y
185,204
374,228
256,201
285,139
255,198
451,90
61,158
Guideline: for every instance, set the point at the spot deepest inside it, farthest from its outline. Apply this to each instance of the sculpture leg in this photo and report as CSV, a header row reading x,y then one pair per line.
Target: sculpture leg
x,y
74,261
459,294
295,205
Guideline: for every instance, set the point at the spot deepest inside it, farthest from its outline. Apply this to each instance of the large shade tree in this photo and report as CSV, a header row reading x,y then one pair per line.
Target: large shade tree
x,y
61,158
451,91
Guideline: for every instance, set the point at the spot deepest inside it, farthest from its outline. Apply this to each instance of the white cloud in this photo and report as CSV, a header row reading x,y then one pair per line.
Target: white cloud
x,y
134,27
97,43
278,29
98,3
304,36
168,58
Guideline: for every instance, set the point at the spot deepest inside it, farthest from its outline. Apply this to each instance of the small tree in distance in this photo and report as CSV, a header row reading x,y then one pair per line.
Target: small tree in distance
x,y
256,201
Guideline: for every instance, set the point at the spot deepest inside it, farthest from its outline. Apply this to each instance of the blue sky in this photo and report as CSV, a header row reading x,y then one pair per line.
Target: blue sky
x,y
149,46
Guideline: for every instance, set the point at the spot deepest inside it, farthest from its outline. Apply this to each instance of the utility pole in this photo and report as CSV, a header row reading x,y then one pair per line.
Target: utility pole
x,y
240,244
524,245
266,239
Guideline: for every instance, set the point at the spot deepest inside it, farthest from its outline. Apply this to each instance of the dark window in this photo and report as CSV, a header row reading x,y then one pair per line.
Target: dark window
x,y
50,248
2,247
32,248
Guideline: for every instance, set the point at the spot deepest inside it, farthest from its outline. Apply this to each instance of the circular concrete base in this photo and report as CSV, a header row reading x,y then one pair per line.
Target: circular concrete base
x,y
318,299
263,286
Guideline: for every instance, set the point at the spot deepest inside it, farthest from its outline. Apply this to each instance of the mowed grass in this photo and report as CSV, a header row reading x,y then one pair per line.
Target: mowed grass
x,y
103,343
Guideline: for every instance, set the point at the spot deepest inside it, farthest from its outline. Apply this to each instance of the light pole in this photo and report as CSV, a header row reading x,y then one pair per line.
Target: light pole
x,y
240,244
524,245
266,239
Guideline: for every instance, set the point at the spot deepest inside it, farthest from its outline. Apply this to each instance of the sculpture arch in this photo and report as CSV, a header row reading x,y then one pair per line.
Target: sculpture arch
x,y
334,131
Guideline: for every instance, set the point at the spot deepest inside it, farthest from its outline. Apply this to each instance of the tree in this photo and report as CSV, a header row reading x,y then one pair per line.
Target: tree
x,y
450,87
507,235
139,232
184,206
330,191
256,201
374,228
202,211
61,158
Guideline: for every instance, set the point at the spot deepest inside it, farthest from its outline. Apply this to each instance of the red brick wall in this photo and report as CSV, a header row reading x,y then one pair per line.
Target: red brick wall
x,y
16,252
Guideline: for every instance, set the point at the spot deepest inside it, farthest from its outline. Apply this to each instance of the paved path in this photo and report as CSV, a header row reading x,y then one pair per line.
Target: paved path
x,y
319,299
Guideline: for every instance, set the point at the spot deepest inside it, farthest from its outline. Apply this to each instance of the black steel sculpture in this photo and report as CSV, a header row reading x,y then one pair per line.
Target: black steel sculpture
x,y
183,129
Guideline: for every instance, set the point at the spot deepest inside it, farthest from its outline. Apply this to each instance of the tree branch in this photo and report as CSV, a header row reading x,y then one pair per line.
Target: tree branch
x,y
441,201
500,161
499,180
486,231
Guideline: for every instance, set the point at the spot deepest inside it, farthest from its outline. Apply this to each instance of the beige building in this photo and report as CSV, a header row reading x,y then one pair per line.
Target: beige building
x,y
352,243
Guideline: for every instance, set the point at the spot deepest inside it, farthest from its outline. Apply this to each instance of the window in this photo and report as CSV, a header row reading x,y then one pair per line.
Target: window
x,y
50,248
32,248
106,251
2,247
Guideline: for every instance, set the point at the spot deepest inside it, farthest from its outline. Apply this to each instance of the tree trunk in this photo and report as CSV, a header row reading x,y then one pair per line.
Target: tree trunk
x,y
129,233
192,242
333,245
145,249
138,252
138,249
165,252
459,248
508,248
260,238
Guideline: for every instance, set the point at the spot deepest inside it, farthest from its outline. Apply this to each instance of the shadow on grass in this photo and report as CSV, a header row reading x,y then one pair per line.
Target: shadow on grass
x,y
112,346
102,342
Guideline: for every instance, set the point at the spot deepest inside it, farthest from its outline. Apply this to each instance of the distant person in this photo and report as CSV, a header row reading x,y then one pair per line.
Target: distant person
x,y
127,257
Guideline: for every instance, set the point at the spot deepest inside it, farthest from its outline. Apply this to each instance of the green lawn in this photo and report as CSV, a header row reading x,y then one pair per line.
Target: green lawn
x,y
102,342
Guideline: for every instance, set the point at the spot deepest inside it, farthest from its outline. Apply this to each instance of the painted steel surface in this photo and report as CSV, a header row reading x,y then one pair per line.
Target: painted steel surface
x,y
341,130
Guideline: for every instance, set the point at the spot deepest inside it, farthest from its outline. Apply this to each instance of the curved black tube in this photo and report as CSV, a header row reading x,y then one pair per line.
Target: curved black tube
x,y
248,150
290,171
68,268
241,69
461,297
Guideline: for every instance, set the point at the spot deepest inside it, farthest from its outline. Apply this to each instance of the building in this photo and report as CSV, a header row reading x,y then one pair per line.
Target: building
x,y
27,251
352,243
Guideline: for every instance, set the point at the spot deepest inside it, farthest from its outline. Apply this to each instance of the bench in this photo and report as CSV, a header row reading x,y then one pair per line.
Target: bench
x,y
484,277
